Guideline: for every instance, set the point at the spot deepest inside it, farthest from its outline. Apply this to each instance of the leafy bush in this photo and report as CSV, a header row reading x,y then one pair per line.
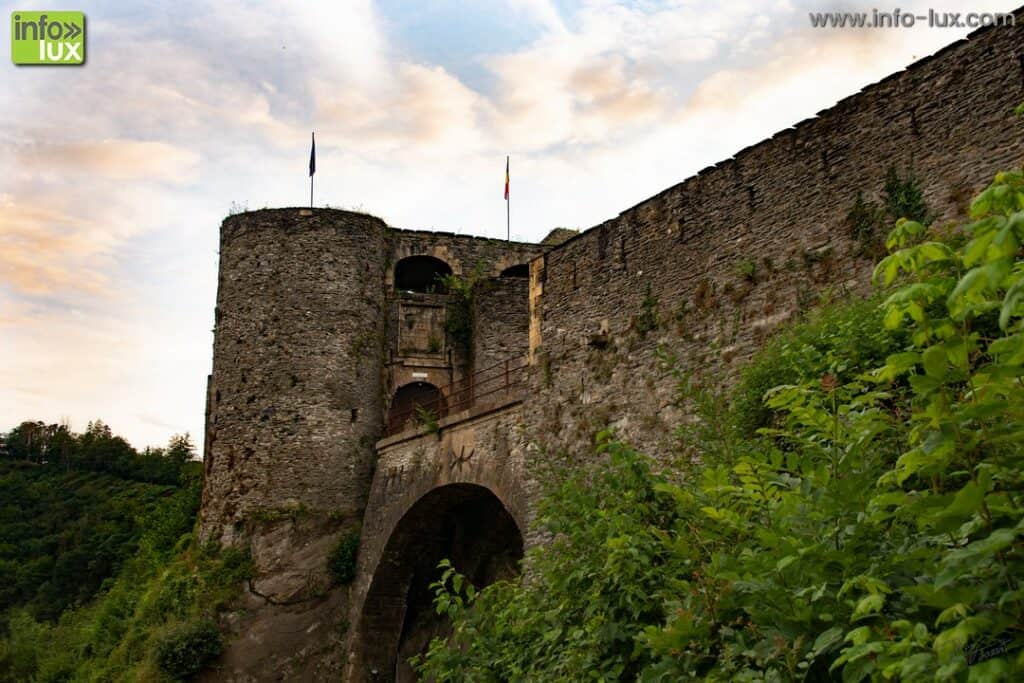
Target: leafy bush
x,y
188,649
115,555
747,269
22,648
599,583
842,340
874,530
862,225
117,637
903,197
341,563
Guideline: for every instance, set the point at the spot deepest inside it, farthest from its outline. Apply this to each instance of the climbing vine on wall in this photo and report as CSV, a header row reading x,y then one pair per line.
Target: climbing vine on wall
x,y
462,289
866,221
648,317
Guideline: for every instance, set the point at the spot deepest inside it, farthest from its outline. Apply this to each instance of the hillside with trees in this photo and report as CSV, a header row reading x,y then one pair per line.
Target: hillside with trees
x,y
70,511
99,577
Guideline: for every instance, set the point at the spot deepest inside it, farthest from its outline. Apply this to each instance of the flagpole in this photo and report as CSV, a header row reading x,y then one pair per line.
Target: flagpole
x,y
311,192
508,207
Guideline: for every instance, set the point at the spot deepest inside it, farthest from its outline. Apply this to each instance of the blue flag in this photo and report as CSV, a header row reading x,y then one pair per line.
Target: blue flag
x,y
312,157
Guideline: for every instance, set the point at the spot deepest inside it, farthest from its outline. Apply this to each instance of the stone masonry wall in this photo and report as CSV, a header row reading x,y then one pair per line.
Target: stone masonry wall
x,y
461,252
501,318
296,400
421,316
707,269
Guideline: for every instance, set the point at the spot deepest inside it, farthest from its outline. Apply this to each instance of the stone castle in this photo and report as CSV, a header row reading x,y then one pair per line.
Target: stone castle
x,y
357,389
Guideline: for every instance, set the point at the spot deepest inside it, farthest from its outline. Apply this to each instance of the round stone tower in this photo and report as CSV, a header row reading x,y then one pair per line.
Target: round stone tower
x,y
294,400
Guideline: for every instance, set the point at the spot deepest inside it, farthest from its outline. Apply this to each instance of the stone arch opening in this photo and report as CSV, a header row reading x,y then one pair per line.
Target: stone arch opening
x,y
521,270
465,523
423,274
407,402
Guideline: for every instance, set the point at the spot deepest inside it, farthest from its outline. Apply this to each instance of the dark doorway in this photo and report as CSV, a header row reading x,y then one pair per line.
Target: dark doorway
x,y
418,395
522,270
483,543
423,274
464,523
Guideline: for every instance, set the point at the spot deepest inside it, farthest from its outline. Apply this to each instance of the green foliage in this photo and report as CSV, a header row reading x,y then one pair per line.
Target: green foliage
x,y
747,269
427,419
863,225
902,197
596,589
648,318
841,340
20,651
67,525
173,517
189,648
122,635
866,222
870,529
98,449
341,563
116,555
461,291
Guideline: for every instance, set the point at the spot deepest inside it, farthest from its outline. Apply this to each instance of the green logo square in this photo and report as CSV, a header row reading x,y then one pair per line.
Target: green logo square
x,y
56,38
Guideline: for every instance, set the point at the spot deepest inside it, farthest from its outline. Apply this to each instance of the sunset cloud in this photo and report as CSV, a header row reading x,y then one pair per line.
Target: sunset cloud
x,y
40,248
120,159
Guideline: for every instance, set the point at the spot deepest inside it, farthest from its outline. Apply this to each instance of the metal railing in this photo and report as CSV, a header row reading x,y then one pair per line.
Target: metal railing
x,y
502,381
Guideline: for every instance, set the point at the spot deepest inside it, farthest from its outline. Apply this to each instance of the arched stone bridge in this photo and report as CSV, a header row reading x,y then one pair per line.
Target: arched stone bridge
x,y
458,492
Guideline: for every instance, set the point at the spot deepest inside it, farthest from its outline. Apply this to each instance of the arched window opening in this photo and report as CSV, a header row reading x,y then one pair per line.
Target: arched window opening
x,y
424,274
413,404
520,270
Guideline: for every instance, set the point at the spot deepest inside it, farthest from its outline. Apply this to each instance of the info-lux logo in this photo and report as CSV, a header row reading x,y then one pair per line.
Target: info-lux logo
x,y
56,38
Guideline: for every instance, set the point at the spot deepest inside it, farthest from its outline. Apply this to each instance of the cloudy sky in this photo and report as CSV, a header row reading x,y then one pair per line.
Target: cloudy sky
x,y
114,176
